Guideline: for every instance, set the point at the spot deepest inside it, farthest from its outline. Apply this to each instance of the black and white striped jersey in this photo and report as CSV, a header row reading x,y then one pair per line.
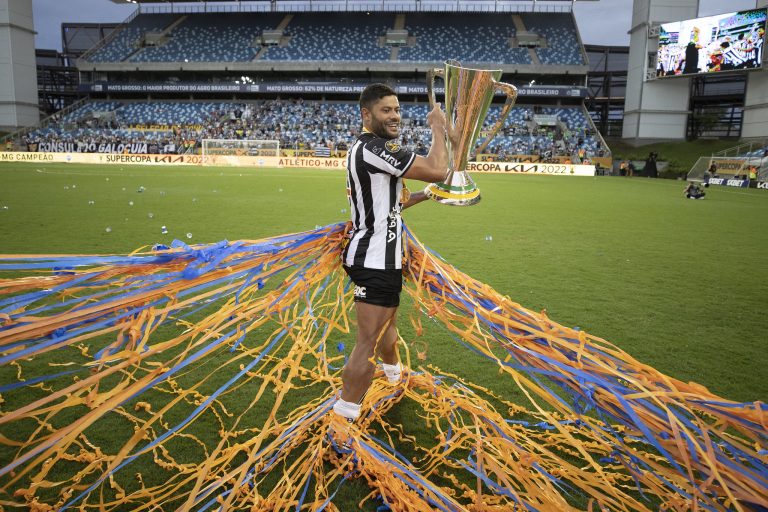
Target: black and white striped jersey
x,y
375,167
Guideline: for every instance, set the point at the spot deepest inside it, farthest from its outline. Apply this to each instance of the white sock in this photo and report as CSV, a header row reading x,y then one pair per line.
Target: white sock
x,y
347,409
392,371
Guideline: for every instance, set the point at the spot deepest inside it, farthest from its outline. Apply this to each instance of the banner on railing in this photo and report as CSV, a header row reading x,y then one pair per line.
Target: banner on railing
x,y
133,148
541,91
532,168
728,182
273,161
114,158
728,165
223,160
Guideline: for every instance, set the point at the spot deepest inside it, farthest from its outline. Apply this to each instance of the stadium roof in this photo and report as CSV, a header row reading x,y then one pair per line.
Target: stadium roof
x,y
376,2
376,5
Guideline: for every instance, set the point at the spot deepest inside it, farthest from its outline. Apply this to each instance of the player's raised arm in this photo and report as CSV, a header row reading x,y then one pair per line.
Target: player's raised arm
x,y
434,166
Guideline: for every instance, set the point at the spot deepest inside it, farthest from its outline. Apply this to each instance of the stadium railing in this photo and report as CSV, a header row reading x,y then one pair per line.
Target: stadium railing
x,y
748,149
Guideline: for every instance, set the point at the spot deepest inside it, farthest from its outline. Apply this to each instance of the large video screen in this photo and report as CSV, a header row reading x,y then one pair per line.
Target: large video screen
x,y
726,42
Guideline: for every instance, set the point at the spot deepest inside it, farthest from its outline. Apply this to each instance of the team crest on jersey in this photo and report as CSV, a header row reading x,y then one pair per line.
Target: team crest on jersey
x,y
392,146
360,291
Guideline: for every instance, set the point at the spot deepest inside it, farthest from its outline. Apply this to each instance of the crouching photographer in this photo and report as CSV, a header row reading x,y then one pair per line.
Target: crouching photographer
x,y
693,191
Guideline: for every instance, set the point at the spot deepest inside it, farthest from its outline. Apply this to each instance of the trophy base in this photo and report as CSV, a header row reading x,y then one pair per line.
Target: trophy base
x,y
453,196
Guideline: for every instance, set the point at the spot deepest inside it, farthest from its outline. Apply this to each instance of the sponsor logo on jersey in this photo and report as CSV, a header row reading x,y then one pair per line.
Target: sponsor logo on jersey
x,y
392,146
359,291
391,160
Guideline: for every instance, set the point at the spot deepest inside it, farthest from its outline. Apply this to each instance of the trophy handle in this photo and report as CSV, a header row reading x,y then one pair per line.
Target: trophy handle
x,y
511,92
431,74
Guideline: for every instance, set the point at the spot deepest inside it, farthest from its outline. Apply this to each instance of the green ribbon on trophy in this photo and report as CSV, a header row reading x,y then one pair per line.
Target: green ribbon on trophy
x,y
468,95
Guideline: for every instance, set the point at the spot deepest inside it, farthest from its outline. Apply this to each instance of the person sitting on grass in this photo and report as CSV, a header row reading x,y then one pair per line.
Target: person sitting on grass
x,y
693,191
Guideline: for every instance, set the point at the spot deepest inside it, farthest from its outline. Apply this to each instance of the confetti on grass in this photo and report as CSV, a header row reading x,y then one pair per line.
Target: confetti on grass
x,y
115,366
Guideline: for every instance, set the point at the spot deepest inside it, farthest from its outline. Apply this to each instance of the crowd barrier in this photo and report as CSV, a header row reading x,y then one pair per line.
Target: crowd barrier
x,y
727,182
532,168
142,148
273,161
130,159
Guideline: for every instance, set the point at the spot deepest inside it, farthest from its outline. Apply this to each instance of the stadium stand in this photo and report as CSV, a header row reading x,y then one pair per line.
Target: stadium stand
x,y
210,38
340,37
334,37
88,109
563,45
167,113
298,124
255,39
469,38
758,153
127,39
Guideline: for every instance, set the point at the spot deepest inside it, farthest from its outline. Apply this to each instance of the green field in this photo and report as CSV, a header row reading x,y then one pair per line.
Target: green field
x,y
681,285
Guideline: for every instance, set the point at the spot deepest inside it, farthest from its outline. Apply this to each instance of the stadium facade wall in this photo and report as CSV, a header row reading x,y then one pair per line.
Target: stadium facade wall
x,y
18,79
327,87
755,123
320,66
654,110
756,102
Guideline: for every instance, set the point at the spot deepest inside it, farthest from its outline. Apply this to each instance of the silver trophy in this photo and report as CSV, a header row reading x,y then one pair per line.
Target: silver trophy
x,y
468,95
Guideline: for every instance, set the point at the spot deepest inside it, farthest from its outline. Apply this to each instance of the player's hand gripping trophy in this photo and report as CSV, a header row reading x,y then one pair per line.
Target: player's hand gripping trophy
x,y
468,95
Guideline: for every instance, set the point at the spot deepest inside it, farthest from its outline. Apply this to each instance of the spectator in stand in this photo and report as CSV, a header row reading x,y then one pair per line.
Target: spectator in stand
x,y
292,123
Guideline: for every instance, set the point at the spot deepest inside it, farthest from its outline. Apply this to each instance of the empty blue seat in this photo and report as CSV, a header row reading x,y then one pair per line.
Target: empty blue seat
x,y
128,38
563,46
334,37
211,38
468,38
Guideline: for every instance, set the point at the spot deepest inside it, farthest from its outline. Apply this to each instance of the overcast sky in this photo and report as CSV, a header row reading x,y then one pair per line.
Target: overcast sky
x,y
602,22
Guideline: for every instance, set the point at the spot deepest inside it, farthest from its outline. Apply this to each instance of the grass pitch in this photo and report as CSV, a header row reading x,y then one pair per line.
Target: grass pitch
x,y
681,285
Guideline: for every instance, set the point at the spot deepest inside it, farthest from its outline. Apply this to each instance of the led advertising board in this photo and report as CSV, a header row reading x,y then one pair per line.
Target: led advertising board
x,y
725,42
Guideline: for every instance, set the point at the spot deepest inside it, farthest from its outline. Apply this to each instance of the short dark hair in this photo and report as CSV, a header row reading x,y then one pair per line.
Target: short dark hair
x,y
374,93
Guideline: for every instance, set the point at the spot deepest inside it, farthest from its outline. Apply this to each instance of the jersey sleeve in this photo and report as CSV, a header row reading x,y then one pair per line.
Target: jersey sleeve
x,y
388,156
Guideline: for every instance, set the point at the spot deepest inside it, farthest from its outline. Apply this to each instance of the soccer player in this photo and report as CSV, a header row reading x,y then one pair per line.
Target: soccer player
x,y
376,166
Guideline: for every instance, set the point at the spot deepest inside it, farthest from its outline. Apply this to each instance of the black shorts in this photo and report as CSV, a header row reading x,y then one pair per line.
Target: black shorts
x,y
376,286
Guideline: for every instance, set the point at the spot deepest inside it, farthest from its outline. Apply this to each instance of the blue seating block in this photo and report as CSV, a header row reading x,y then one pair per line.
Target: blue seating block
x,y
468,38
562,39
333,37
211,38
129,37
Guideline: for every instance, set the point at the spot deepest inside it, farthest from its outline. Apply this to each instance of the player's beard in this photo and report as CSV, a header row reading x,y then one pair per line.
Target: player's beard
x,y
381,129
